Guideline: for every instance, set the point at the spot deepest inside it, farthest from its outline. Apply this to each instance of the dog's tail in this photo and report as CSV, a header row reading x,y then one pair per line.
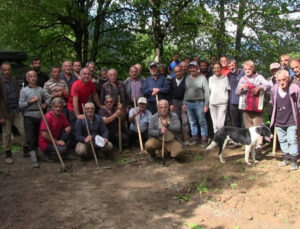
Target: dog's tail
x,y
212,145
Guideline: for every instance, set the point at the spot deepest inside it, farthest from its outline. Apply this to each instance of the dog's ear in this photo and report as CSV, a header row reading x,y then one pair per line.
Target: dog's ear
x,y
259,130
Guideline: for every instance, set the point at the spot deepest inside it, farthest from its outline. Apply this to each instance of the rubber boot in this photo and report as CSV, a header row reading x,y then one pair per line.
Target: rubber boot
x,y
285,161
294,164
8,156
35,163
26,151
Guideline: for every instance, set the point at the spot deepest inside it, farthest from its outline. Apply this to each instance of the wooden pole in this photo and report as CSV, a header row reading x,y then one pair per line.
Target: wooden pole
x,y
88,130
120,127
51,137
274,141
163,138
138,128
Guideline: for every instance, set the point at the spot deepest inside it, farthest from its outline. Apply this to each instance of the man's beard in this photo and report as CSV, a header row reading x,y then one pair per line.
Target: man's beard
x,y
37,69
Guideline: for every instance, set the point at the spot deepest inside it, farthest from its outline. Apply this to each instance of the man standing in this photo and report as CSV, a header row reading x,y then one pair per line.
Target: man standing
x,y
284,61
60,129
155,85
56,87
184,68
67,74
174,63
42,77
103,79
144,119
196,99
225,69
177,89
286,104
133,85
76,68
29,97
81,92
204,69
295,66
234,77
165,123
10,113
96,127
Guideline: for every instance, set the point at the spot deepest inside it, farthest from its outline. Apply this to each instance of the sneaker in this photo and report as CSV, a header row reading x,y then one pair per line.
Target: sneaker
x,y
35,164
9,160
294,166
283,163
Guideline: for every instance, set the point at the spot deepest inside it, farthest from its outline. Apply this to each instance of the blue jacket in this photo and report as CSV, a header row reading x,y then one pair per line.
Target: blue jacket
x,y
161,82
234,80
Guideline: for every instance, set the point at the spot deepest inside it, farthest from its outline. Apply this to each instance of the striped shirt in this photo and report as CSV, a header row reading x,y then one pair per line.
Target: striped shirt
x,y
51,85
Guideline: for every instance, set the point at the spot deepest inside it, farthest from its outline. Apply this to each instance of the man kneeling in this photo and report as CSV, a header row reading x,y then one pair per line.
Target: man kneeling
x,y
96,127
167,123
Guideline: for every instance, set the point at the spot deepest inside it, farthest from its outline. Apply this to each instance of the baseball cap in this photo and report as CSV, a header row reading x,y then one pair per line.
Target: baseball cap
x,y
142,100
153,64
274,66
194,63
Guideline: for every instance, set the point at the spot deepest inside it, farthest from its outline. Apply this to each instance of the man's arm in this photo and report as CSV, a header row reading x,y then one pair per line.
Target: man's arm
x,y
111,118
96,99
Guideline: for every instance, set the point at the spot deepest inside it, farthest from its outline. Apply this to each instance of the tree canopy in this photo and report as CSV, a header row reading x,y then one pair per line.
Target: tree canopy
x,y
121,33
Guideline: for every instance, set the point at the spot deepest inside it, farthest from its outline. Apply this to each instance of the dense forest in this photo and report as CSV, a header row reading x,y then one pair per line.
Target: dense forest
x,y
124,32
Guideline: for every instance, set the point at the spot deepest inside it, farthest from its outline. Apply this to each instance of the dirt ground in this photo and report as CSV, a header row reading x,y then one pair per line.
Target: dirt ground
x,y
131,192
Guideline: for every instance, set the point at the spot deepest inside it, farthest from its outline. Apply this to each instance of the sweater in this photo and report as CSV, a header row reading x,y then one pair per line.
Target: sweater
x,y
219,90
196,89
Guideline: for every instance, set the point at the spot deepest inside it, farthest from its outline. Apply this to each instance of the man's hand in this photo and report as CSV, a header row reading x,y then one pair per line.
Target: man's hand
x,y
106,141
135,112
163,130
59,89
60,143
34,99
155,91
118,112
172,108
119,106
88,139
255,90
81,116
164,122
205,109
244,86
2,120
44,105
184,107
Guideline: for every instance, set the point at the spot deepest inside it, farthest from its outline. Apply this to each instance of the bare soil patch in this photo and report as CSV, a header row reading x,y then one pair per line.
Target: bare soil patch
x,y
134,193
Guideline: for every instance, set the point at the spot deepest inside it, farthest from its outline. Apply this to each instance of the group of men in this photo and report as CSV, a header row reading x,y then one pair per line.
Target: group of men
x,y
81,106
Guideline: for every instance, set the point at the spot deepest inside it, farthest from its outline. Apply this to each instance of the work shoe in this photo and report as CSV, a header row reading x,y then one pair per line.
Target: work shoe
x,y
285,161
35,163
26,151
294,164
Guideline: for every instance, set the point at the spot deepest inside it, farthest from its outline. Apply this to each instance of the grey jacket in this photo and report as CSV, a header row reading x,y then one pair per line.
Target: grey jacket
x,y
174,126
128,88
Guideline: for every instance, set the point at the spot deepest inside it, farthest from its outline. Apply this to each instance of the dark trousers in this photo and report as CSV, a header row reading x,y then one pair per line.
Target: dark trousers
x,y
134,137
32,126
63,150
114,138
236,116
152,107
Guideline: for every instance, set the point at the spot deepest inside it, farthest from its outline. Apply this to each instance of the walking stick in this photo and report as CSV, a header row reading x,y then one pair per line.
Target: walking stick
x,y
120,130
274,141
138,128
88,130
63,168
163,139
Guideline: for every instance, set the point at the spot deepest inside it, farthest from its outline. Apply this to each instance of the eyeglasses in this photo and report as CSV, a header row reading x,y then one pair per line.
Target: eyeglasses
x,y
109,102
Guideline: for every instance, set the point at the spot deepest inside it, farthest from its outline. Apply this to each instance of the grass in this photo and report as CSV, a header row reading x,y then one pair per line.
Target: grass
x,y
252,177
233,185
199,157
226,177
202,188
124,160
194,226
185,197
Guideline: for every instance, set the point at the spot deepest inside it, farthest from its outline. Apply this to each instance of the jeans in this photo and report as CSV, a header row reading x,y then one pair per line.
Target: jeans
x,y
287,137
196,116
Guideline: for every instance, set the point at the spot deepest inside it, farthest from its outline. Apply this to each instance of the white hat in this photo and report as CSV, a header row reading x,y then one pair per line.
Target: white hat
x,y
274,66
142,100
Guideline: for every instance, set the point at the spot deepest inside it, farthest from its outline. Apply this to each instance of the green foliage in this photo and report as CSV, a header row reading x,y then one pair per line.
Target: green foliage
x,y
199,157
194,226
124,160
225,177
183,197
233,185
15,148
202,187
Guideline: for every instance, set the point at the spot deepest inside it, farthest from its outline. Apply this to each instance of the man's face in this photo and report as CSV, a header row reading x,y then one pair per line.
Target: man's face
x,y
109,103
85,75
284,61
274,70
5,70
91,67
36,65
142,106
213,60
103,75
178,72
90,110
112,76
67,67
217,69
184,67
232,67
176,57
163,109
76,66
57,108
196,58
133,73
162,71
139,68
224,62
248,70
203,67
31,78
55,73
295,66
193,70
153,70
283,81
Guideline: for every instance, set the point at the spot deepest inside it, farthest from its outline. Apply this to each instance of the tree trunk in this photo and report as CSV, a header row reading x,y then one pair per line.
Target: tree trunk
x,y
221,43
240,29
